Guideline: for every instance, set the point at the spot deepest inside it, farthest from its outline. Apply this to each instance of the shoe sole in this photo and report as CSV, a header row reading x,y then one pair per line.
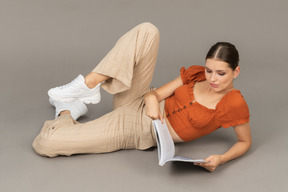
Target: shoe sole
x,y
86,100
90,100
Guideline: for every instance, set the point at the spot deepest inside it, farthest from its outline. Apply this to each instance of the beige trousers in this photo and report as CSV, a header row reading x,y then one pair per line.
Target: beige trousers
x,y
130,64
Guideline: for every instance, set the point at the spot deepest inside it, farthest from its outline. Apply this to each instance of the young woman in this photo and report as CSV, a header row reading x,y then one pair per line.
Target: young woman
x,y
199,101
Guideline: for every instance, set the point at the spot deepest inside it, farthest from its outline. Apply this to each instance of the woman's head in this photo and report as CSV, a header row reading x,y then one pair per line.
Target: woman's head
x,y
222,66
226,52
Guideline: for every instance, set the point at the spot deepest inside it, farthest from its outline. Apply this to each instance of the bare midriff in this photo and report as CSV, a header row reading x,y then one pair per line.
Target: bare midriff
x,y
174,135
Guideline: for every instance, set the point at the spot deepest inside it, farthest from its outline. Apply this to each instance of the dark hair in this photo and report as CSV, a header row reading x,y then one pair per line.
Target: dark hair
x,y
226,52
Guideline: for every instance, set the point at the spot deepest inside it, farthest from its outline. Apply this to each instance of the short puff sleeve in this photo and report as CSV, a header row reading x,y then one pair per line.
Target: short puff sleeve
x,y
234,111
193,73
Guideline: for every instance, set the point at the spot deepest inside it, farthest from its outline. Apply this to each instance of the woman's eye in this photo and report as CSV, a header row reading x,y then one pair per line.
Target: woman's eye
x,y
221,74
208,71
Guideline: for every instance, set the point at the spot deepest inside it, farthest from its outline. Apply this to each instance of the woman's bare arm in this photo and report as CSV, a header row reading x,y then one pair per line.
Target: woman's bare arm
x,y
153,98
241,146
168,89
238,149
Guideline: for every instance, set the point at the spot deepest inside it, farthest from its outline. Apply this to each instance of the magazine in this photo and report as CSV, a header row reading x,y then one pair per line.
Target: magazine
x,y
166,148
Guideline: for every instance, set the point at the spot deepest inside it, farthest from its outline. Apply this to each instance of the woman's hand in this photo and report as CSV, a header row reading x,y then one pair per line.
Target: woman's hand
x,y
152,106
153,98
213,162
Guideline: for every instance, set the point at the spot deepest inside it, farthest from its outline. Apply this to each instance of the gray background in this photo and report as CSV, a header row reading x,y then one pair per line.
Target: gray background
x,y
46,43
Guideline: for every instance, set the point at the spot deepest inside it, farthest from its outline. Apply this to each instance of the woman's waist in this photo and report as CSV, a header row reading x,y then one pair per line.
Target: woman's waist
x,y
174,135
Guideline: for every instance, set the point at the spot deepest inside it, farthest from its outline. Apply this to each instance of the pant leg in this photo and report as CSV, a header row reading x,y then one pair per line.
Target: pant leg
x,y
123,128
131,64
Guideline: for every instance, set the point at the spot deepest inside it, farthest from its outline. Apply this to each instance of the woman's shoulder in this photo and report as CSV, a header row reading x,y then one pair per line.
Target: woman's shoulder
x,y
192,73
234,98
233,110
233,102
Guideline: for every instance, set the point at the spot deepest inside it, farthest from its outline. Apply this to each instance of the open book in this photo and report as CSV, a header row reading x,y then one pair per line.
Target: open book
x,y
166,148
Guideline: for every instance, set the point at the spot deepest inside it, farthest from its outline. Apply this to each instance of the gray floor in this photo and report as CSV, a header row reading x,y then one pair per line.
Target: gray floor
x,y
48,43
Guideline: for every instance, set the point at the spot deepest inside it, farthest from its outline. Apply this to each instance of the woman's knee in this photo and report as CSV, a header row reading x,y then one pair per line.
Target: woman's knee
x,y
149,27
43,146
48,143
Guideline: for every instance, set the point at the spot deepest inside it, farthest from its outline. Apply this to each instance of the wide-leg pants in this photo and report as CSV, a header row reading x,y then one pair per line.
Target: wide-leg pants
x,y
130,64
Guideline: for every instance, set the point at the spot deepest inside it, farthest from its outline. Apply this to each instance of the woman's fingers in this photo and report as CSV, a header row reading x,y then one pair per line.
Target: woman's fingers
x,y
161,118
153,114
213,162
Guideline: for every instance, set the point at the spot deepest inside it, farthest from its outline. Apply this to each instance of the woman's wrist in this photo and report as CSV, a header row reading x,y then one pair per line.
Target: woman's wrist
x,y
151,93
223,159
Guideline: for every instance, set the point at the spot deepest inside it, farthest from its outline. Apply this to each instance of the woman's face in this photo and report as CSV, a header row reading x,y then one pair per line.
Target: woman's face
x,y
219,75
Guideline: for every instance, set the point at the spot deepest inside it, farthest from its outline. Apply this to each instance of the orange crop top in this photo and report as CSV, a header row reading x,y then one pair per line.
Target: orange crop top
x,y
191,120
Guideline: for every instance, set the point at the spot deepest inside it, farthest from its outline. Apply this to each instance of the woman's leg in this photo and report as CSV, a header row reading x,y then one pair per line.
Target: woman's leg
x,y
129,66
127,70
93,79
121,129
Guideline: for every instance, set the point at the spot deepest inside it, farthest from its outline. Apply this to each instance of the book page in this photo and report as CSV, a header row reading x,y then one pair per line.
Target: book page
x,y
166,147
185,159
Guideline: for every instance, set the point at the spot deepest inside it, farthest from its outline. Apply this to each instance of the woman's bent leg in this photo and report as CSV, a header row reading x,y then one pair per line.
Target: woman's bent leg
x,y
121,129
127,70
129,67
130,64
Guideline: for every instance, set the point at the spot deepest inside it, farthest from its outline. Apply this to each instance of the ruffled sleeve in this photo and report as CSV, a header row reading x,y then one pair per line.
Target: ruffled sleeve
x,y
193,73
234,110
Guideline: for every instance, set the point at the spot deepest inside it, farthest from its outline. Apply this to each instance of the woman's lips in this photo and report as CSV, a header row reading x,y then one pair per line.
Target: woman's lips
x,y
214,85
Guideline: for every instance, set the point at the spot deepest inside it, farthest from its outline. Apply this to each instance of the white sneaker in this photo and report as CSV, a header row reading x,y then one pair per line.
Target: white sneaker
x,y
76,108
76,89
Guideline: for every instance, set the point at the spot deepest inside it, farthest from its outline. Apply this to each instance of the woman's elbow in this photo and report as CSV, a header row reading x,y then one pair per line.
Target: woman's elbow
x,y
248,144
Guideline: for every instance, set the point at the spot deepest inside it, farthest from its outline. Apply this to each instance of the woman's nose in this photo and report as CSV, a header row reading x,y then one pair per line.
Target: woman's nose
x,y
213,77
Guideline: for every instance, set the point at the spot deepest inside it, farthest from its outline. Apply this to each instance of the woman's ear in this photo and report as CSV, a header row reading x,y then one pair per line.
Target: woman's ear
x,y
236,72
